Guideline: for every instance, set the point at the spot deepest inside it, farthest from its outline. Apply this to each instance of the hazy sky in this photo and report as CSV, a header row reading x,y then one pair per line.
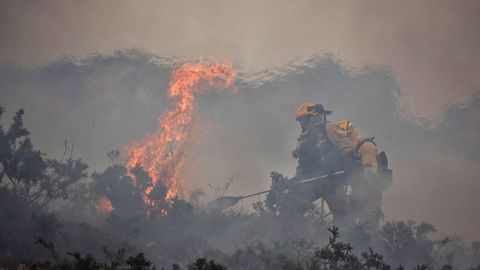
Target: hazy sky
x,y
432,46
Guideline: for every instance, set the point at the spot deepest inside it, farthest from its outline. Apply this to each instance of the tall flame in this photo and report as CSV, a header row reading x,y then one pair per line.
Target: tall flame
x,y
162,153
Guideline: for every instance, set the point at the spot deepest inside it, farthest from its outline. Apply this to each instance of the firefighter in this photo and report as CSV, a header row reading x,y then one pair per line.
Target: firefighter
x,y
322,148
366,191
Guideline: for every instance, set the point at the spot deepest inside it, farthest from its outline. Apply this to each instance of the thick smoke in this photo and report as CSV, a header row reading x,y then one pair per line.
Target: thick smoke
x,y
432,45
104,102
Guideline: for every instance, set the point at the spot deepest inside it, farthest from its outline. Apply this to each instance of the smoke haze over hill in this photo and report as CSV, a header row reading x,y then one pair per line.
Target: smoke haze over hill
x,y
432,46
104,102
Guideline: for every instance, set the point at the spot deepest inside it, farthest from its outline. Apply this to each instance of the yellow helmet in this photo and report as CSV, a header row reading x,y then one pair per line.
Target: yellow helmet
x,y
345,125
310,109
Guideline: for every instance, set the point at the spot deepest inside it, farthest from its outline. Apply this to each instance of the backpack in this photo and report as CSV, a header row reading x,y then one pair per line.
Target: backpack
x,y
383,171
382,158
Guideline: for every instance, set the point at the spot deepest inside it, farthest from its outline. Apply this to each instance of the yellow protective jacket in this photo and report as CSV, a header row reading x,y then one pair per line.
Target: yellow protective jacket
x,y
339,137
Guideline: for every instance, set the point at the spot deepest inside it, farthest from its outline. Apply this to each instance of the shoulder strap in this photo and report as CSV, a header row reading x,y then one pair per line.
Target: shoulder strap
x,y
327,126
362,141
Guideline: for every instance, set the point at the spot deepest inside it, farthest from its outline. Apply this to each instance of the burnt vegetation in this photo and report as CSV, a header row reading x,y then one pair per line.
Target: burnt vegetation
x,y
49,219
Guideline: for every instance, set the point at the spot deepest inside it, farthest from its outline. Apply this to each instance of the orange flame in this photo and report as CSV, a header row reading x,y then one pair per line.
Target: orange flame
x,y
105,205
162,153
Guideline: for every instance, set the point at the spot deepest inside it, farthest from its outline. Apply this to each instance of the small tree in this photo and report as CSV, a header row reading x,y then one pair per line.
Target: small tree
x,y
204,264
336,255
407,242
27,174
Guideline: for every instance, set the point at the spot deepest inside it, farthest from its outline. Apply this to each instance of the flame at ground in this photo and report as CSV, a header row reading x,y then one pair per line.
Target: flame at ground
x,y
105,205
162,153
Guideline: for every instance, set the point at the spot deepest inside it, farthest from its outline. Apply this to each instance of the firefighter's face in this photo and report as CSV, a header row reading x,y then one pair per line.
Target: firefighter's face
x,y
306,120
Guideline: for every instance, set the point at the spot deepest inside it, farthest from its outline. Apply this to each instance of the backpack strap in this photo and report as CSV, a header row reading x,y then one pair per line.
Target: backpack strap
x,y
362,141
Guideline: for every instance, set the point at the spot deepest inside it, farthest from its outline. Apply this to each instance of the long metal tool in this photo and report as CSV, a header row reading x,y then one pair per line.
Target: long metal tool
x,y
225,202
